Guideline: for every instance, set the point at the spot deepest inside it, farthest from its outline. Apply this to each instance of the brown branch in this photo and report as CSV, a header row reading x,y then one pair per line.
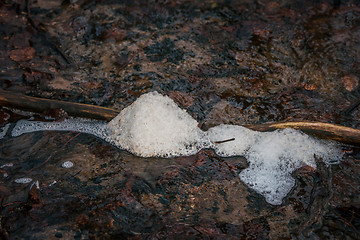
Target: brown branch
x,y
39,105
318,129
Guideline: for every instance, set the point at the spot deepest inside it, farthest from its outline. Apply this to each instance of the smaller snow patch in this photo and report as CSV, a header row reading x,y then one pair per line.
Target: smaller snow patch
x,y
273,156
23,180
67,164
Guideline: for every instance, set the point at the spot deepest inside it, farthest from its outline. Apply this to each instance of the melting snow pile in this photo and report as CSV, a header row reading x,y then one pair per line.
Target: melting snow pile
x,y
155,126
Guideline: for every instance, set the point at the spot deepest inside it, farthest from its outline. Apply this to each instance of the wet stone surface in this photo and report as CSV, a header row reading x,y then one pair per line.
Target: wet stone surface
x,y
230,62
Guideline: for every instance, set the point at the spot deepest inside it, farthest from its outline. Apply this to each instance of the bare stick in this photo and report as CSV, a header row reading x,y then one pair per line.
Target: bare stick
x,y
318,129
33,104
224,141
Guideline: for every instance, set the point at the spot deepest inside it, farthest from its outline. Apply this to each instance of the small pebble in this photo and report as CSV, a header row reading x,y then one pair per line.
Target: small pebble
x,y
23,180
67,164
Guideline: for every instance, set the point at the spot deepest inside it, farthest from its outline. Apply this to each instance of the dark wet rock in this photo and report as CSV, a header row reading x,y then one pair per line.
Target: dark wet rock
x,y
165,49
115,34
58,235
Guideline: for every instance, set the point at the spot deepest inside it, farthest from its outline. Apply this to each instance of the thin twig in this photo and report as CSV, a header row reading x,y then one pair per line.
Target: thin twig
x,y
11,203
224,141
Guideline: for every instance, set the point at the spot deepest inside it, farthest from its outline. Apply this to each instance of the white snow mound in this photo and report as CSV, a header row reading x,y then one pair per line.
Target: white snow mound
x,y
155,126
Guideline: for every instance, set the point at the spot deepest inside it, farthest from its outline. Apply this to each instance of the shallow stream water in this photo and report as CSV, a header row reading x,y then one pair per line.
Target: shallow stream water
x,y
231,62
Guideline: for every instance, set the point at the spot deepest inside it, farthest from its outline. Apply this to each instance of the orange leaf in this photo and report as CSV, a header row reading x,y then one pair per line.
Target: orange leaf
x,y
22,54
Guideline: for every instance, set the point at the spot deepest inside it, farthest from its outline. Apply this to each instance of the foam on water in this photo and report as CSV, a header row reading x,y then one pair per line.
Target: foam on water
x,y
273,156
154,126
96,128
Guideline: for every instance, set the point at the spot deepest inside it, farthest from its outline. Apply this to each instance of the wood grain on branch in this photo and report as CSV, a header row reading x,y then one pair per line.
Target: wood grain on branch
x,y
318,129
39,105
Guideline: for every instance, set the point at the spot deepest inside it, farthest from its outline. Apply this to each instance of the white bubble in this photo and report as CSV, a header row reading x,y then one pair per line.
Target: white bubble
x,y
67,164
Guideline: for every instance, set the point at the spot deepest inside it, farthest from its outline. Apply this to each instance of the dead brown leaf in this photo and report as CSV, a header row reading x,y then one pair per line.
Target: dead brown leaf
x,y
182,98
350,82
22,54
310,87
115,34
